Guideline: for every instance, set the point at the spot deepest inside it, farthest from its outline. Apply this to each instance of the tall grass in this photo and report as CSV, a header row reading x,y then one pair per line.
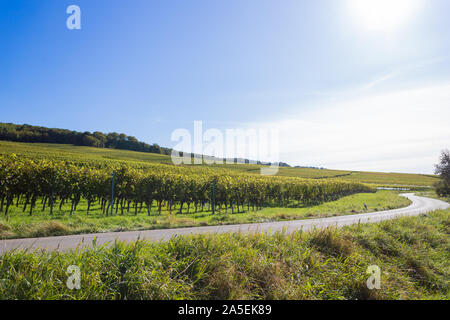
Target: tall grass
x,y
412,254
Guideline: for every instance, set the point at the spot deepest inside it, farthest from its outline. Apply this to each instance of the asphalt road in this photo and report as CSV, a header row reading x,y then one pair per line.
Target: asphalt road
x,y
419,205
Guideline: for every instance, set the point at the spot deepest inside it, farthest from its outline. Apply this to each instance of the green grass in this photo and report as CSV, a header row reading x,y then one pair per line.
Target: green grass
x,y
21,225
70,152
411,252
392,179
66,151
432,194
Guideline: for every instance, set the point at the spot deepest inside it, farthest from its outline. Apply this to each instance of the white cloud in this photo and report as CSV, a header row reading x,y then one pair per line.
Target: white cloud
x,y
402,131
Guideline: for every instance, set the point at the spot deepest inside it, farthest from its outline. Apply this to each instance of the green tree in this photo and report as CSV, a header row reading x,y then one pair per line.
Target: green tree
x,y
443,170
100,137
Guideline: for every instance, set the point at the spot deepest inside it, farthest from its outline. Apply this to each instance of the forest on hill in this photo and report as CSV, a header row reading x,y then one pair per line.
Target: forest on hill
x,y
112,140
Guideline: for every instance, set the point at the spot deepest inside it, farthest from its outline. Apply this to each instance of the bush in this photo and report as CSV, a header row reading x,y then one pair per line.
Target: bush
x,y
442,188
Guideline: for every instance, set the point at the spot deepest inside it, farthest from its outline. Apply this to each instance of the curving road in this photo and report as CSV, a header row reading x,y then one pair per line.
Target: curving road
x,y
418,206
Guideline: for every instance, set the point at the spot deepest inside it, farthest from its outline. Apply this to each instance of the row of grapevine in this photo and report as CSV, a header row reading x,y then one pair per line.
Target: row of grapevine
x,y
27,180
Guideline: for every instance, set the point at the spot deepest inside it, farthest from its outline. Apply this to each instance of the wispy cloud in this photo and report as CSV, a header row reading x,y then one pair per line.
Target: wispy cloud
x,y
399,131
379,80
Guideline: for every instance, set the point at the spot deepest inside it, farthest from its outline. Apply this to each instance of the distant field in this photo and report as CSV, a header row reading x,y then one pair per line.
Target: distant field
x,y
381,178
66,151
313,173
62,151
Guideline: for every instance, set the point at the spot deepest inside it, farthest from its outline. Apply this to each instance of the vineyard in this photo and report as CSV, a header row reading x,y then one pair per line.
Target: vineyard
x,y
141,186
100,156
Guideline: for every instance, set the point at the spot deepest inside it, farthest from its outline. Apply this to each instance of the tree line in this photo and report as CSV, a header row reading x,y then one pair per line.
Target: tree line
x,y
113,140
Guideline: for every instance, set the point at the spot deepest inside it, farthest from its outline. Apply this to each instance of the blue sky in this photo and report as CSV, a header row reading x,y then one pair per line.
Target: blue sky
x,y
346,88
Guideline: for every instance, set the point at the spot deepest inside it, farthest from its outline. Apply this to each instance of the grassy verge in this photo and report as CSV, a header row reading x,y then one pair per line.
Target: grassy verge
x,y
20,225
431,193
411,252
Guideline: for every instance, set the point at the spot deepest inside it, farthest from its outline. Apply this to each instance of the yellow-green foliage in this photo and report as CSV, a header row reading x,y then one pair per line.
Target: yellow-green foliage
x,y
98,155
143,183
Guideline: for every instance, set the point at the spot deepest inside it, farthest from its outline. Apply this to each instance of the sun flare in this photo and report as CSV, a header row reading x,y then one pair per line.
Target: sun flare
x,y
384,15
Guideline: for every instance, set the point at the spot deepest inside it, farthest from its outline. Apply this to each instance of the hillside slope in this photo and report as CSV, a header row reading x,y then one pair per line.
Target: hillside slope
x,y
65,151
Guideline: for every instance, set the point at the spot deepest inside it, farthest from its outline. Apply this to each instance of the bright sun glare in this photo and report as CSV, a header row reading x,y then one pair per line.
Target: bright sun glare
x,y
384,15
